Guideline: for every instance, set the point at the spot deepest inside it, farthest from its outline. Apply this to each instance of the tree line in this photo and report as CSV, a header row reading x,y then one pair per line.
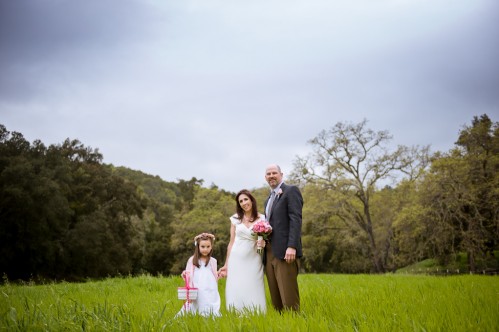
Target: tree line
x,y
369,207
442,204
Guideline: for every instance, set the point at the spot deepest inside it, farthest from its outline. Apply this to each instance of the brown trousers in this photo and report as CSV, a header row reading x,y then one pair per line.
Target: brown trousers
x,y
282,279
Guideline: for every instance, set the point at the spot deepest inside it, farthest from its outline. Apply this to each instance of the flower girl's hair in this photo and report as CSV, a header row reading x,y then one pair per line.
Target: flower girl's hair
x,y
204,236
197,239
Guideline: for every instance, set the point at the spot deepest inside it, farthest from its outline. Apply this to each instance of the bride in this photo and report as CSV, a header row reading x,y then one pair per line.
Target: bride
x,y
244,289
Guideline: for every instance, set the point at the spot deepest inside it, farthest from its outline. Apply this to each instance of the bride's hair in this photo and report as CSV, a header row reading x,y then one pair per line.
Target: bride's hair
x,y
239,209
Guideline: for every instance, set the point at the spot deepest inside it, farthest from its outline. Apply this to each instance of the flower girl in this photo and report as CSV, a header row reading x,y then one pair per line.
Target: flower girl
x,y
201,273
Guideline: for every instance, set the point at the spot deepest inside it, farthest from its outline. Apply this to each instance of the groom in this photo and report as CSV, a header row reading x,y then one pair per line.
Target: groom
x,y
283,210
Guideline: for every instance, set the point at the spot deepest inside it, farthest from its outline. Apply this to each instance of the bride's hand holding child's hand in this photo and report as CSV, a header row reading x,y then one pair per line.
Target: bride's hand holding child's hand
x,y
222,273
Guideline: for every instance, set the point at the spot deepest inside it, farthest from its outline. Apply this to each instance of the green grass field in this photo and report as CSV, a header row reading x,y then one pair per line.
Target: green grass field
x,y
329,303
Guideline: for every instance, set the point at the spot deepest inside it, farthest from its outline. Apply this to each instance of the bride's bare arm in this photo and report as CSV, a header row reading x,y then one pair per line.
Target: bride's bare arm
x,y
223,270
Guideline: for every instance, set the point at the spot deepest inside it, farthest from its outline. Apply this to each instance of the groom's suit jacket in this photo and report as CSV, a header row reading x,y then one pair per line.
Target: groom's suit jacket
x,y
286,219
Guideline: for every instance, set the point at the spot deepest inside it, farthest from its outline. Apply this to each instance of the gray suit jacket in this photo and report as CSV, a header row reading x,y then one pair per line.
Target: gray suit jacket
x,y
286,219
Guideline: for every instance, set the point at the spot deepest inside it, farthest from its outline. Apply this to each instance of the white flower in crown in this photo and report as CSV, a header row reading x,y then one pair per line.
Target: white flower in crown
x,y
203,236
279,192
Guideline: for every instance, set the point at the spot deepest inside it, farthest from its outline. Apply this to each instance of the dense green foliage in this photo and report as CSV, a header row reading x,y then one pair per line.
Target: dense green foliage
x,y
66,215
328,303
440,205
63,214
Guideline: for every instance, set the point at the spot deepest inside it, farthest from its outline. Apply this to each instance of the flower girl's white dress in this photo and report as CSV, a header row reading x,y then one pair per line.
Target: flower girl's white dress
x,y
208,299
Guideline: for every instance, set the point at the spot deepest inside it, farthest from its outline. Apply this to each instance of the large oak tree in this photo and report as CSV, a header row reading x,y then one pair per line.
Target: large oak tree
x,y
352,160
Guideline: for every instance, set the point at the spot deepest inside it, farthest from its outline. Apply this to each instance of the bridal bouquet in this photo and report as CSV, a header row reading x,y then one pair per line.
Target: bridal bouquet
x,y
262,229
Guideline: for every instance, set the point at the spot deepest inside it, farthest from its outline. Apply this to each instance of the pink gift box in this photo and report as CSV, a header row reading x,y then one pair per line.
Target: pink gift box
x,y
187,293
184,292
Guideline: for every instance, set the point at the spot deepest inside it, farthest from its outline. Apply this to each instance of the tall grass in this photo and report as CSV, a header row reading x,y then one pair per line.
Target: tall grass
x,y
329,302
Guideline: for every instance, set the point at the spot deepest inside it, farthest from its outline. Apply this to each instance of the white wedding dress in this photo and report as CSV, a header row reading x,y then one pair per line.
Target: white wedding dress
x,y
244,290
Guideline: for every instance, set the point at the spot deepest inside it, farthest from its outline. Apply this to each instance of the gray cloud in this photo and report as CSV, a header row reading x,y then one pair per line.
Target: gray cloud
x,y
218,89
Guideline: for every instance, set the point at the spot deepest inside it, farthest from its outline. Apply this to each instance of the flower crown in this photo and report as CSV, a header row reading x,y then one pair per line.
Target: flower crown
x,y
209,235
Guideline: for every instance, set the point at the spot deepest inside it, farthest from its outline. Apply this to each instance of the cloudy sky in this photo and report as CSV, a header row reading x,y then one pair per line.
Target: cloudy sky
x,y
219,89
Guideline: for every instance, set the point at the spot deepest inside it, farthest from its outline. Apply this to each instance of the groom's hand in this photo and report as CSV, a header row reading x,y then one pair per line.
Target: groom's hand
x,y
290,255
